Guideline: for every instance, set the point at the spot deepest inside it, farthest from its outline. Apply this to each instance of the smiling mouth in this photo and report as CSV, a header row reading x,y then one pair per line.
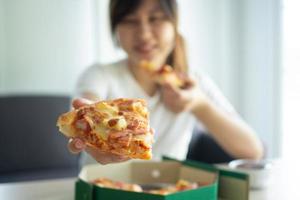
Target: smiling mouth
x,y
145,50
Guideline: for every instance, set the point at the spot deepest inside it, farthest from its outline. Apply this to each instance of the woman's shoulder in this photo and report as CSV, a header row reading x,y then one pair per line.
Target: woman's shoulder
x,y
206,83
213,92
202,78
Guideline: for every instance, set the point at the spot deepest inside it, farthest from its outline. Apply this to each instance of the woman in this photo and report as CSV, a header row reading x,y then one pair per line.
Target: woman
x,y
147,30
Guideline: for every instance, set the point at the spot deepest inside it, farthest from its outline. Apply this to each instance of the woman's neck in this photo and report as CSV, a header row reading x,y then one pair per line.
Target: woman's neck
x,y
142,77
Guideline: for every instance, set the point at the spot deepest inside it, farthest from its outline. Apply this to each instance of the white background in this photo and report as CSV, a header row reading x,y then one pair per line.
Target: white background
x,y
45,43
291,81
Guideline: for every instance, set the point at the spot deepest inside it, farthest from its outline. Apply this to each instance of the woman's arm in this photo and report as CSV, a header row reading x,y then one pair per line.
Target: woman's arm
x,y
233,134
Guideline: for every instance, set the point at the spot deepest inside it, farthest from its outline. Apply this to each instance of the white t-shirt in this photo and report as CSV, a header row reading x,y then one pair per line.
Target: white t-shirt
x,y
172,131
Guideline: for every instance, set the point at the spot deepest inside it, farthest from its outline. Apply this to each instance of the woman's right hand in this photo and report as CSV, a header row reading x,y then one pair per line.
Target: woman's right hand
x,y
77,145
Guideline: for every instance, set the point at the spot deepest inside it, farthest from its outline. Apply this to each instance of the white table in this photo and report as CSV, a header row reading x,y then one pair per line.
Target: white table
x,y
284,185
58,189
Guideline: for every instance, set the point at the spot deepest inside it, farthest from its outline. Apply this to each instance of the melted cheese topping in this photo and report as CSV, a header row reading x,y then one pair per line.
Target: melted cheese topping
x,y
121,124
112,120
104,107
139,108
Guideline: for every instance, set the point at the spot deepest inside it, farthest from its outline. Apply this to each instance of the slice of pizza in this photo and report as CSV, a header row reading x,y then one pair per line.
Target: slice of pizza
x,y
108,183
119,126
163,74
181,185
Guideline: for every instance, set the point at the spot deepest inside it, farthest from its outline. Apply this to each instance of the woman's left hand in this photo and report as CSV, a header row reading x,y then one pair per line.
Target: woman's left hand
x,y
182,99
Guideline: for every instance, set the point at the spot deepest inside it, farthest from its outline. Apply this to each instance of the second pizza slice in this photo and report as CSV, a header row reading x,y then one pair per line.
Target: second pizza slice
x,y
164,74
119,126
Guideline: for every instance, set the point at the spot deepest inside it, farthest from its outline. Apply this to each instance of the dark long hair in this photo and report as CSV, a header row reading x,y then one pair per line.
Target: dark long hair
x,y
121,8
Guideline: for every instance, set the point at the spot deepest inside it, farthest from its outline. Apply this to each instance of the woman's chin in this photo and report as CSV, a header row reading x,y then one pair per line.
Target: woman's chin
x,y
149,58
152,59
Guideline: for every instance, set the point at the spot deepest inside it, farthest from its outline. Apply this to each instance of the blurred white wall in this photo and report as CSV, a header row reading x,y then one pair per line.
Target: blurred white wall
x,y
47,43
2,46
291,81
261,74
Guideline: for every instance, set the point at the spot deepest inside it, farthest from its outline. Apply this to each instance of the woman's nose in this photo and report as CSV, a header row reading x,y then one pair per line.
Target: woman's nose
x,y
144,30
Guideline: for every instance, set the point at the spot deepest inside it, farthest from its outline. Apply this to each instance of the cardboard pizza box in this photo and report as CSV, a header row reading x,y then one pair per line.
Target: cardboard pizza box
x,y
167,171
233,185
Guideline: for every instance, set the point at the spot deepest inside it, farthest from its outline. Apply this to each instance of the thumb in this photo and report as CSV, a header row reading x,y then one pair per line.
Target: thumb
x,y
188,83
77,103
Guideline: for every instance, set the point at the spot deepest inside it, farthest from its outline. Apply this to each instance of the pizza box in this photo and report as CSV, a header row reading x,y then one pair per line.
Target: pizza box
x,y
234,185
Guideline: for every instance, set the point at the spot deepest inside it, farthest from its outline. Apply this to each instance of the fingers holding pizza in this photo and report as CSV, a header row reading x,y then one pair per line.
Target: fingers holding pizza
x,y
77,145
164,74
179,92
182,99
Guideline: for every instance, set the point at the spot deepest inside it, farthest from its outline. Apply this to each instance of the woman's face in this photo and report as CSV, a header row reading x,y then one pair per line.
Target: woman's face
x,y
147,34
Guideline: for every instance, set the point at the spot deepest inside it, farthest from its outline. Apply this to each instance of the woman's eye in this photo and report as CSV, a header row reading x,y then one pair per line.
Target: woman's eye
x,y
157,18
